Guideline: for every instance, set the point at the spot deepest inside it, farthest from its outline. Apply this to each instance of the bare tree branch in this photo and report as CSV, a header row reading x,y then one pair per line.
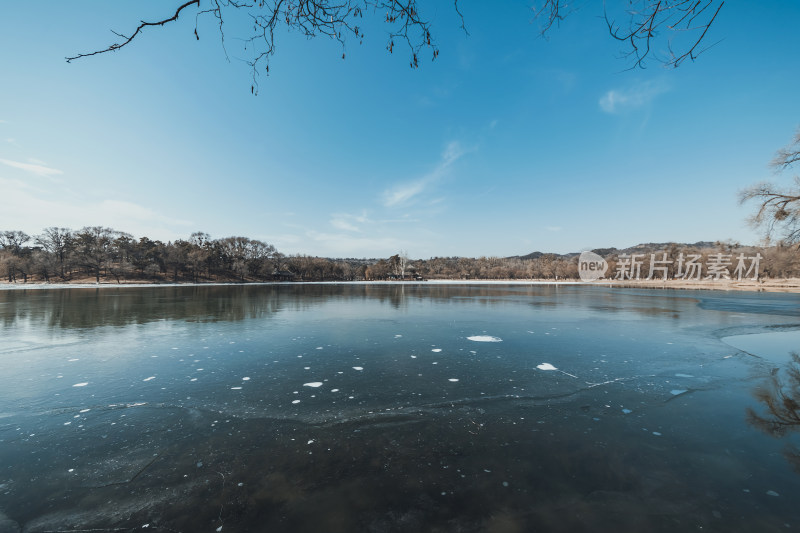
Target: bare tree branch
x,y
789,155
646,21
116,46
776,209
335,19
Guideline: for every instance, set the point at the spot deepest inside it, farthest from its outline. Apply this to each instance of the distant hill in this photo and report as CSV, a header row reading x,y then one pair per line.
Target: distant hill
x,y
648,247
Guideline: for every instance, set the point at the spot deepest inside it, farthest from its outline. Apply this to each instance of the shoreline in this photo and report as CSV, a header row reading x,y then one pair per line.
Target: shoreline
x,y
790,285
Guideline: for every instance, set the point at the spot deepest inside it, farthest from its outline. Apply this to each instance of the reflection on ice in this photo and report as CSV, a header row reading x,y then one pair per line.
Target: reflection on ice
x,y
486,438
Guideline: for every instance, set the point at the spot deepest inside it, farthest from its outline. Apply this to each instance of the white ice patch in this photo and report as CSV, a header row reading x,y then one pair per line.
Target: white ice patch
x,y
684,376
548,366
84,410
236,388
314,384
484,338
148,379
453,380
73,360
295,401
436,350
245,378
397,336
334,390
358,368
81,384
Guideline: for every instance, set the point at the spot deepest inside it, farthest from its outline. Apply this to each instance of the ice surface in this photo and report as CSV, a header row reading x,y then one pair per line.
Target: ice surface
x,y
484,338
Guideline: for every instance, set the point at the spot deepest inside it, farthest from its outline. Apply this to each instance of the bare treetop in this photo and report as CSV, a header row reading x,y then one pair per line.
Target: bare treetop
x,y
335,19
685,23
778,207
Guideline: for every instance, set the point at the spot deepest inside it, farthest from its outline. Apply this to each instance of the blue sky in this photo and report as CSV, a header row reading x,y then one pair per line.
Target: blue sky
x,y
506,144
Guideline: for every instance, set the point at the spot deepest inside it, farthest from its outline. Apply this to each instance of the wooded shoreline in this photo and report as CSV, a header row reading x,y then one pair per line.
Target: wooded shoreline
x,y
789,285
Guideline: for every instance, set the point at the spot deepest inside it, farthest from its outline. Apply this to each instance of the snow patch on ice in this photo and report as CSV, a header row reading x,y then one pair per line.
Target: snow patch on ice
x,y
81,384
358,368
314,384
148,379
546,366
484,338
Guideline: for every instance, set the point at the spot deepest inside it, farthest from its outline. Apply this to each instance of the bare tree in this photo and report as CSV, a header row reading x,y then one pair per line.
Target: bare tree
x,y
334,19
778,207
781,398
670,31
56,241
684,23
94,247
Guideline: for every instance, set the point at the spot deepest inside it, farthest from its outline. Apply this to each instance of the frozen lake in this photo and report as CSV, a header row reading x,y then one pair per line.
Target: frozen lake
x,y
395,407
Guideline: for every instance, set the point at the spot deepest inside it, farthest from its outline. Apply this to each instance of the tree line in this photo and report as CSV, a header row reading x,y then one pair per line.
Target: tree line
x,y
102,254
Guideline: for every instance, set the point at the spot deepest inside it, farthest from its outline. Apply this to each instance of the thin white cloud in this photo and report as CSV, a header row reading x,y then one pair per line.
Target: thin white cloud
x,y
405,193
39,170
346,244
348,222
633,97
31,207
135,212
